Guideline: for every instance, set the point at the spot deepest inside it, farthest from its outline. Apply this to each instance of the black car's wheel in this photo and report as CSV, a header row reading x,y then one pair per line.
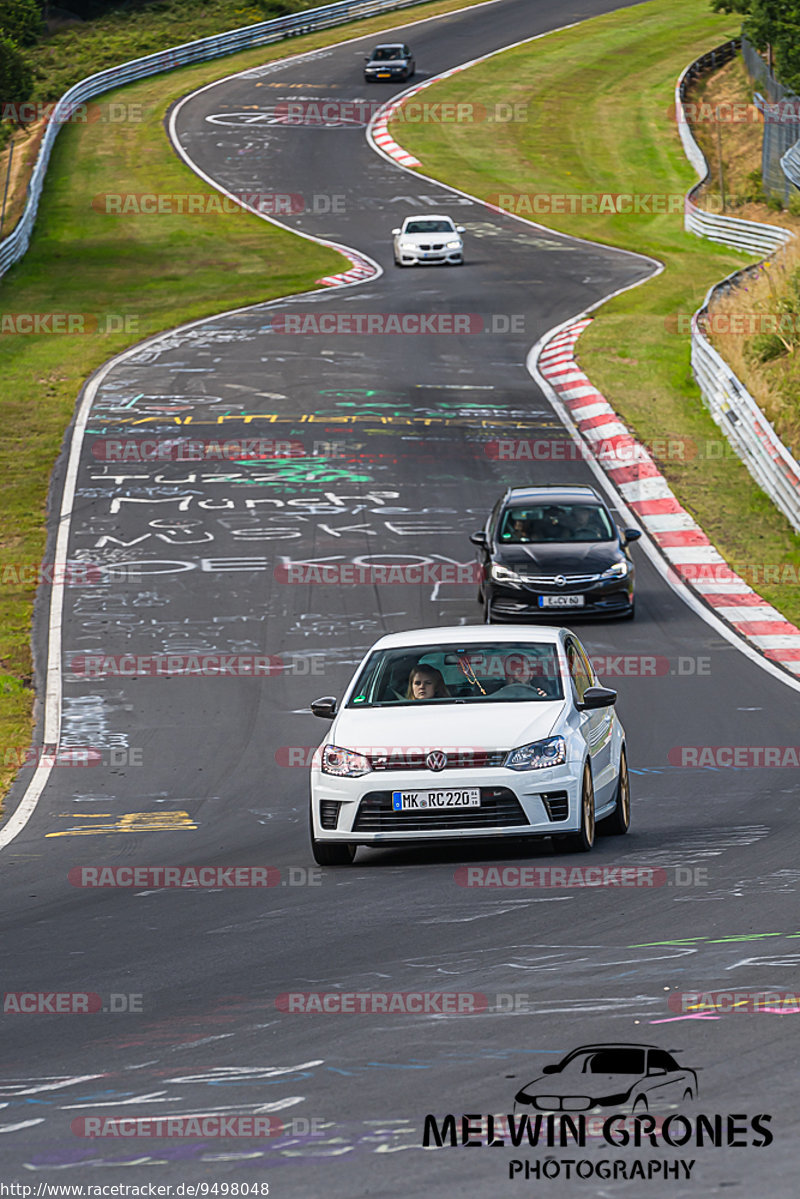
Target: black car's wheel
x,y
331,853
620,819
583,840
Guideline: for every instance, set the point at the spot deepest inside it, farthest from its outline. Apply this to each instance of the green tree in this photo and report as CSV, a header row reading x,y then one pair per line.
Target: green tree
x,y
772,25
21,20
16,76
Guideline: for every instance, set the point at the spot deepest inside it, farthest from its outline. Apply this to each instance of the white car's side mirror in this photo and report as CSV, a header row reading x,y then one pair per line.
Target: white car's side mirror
x,y
460,229
395,232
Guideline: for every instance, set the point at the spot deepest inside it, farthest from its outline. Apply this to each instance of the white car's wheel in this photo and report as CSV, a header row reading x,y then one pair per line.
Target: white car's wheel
x,y
583,840
620,819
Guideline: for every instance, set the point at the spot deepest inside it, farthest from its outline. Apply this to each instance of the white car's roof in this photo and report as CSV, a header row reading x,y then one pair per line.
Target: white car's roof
x,y
471,635
429,216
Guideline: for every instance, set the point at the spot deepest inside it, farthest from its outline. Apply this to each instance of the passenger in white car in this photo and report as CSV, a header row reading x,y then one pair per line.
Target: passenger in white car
x,y
426,682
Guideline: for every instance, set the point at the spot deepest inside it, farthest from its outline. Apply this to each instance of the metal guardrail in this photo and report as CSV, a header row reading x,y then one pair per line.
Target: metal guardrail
x,y
750,236
264,33
732,407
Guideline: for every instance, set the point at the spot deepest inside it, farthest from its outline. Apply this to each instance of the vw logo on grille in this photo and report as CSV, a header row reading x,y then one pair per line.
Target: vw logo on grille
x,y
560,581
436,760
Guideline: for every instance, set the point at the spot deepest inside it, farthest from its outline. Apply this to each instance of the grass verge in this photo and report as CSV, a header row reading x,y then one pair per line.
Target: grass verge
x,y
600,120
157,271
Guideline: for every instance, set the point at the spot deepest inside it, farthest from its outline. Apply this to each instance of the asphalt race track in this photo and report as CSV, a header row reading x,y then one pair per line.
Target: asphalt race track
x,y
396,435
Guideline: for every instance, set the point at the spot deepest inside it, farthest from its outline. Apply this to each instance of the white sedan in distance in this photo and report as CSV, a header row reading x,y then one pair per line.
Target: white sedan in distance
x,y
469,732
428,239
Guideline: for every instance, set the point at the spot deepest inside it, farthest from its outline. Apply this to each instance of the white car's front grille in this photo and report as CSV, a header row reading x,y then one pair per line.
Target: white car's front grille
x,y
459,759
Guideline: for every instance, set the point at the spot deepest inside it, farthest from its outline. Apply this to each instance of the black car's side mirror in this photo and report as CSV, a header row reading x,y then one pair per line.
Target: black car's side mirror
x,y
596,697
550,1070
325,707
629,535
478,538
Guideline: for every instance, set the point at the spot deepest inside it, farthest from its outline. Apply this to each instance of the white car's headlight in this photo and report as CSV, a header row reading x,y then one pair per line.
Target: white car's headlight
x,y
552,752
617,571
345,763
406,245
501,573
454,245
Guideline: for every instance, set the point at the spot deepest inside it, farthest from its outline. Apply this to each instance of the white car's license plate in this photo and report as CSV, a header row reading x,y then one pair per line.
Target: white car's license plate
x,y
412,801
561,601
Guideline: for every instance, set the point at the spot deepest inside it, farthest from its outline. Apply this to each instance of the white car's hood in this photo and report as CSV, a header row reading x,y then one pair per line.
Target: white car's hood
x,y
491,725
420,239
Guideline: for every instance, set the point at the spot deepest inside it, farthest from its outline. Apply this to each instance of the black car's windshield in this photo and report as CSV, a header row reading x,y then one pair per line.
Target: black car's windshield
x,y
429,227
505,672
384,53
555,522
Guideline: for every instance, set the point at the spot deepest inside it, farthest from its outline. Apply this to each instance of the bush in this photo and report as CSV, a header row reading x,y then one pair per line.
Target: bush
x,y
16,74
765,347
21,20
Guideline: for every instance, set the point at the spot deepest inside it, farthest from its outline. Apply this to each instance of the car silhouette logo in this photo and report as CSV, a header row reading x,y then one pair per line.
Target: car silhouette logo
x,y
436,760
642,1077
560,581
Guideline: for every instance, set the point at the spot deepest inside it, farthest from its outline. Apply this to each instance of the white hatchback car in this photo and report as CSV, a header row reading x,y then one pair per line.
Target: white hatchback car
x,y
469,732
428,239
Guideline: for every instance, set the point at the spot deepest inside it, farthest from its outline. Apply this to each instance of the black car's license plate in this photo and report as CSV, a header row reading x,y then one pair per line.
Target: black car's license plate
x,y
561,601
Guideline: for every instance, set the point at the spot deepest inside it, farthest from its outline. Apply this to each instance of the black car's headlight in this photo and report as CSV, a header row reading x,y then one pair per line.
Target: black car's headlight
x,y
504,573
345,763
538,754
618,571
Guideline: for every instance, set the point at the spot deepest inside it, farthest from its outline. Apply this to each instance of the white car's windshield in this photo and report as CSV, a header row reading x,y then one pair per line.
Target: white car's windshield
x,y
429,227
491,672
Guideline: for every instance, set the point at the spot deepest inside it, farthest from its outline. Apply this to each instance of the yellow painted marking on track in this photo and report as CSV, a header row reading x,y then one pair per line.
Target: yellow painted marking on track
x,y
130,822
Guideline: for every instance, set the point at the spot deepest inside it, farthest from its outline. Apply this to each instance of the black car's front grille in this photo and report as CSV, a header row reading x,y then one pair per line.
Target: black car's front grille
x,y
461,759
329,813
499,808
556,804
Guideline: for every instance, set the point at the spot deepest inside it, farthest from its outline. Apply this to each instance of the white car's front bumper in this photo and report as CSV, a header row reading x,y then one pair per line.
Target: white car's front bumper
x,y
514,803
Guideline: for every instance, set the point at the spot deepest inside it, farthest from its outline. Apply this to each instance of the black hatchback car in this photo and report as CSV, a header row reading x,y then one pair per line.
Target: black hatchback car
x,y
546,550
392,61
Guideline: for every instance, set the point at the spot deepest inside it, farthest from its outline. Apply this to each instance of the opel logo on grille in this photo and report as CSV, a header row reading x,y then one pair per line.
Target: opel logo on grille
x,y
560,581
436,760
